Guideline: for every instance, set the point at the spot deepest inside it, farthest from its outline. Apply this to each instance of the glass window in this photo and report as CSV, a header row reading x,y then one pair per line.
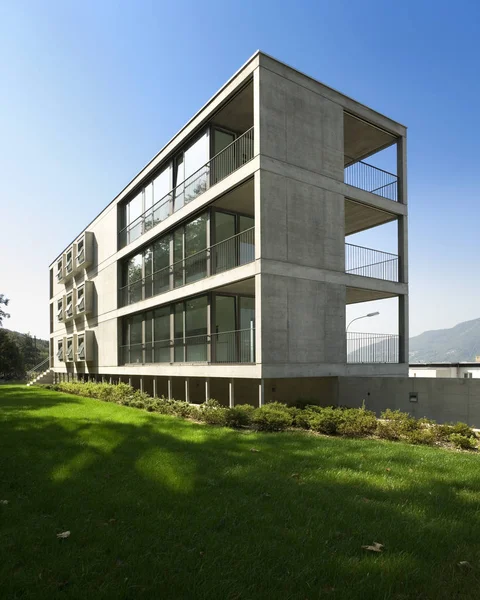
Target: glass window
x,y
224,254
134,278
196,328
147,271
195,242
224,348
178,333
161,262
148,320
179,183
135,341
246,244
222,166
162,185
162,334
196,169
178,257
135,208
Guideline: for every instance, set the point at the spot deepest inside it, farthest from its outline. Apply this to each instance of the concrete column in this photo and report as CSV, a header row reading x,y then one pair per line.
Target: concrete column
x,y
403,347
103,378
111,381
402,169
169,388
154,387
261,393
119,380
141,384
207,388
187,389
231,393
129,381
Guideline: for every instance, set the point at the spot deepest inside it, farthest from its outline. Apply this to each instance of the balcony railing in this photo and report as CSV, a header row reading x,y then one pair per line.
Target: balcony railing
x,y
231,158
372,347
228,254
230,347
372,179
371,263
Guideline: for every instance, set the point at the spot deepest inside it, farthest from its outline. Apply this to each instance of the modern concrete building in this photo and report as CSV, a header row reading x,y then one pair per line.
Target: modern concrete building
x,y
223,269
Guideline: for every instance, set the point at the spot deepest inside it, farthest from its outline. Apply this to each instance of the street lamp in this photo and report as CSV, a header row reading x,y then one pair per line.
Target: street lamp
x,y
374,314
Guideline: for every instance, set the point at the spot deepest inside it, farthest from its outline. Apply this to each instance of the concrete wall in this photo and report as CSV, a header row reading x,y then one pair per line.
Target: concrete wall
x,y
443,400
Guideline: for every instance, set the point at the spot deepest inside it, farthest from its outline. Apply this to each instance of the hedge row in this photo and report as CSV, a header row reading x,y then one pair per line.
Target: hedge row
x,y
349,422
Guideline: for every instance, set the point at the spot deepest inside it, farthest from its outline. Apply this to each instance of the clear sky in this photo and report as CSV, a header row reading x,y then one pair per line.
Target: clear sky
x,y
90,91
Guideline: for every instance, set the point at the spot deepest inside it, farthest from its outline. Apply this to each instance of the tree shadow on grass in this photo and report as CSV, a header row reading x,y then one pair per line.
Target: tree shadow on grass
x,y
163,508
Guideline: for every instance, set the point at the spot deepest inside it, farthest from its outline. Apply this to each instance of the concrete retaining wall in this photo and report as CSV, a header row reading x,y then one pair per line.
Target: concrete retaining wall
x,y
443,400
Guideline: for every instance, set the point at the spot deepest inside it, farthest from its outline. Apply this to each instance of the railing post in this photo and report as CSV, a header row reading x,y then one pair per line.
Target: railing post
x,y
252,342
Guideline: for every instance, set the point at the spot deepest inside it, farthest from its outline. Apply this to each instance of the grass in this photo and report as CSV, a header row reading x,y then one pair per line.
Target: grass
x,y
159,507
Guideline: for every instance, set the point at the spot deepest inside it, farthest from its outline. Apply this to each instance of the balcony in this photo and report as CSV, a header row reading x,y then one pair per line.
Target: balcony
x,y
228,160
372,179
371,263
228,254
370,348
231,347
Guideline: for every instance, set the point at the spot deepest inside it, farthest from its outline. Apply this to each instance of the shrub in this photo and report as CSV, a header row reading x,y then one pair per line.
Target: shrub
x,y
272,417
239,416
387,430
463,441
212,412
421,436
325,419
357,422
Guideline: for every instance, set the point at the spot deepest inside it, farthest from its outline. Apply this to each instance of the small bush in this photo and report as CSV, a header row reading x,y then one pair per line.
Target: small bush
x,y
239,416
463,441
325,419
272,417
357,422
387,430
421,436
212,412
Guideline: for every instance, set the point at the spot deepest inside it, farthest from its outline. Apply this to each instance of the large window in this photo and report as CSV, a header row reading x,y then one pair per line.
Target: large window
x,y
179,332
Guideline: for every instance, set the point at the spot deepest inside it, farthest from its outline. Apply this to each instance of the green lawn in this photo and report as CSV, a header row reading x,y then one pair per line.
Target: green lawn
x,y
164,508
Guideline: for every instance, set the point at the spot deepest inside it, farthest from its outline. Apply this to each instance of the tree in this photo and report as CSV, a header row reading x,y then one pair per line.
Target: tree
x,y
11,360
3,314
28,348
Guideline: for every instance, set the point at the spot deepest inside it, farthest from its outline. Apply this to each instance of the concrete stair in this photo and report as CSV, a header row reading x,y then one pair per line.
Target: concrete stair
x,y
44,377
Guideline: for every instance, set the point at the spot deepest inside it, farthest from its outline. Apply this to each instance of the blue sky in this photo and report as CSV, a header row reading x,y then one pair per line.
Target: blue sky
x,y
92,90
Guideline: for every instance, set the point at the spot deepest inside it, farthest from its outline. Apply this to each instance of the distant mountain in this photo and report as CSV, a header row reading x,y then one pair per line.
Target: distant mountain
x,y
458,344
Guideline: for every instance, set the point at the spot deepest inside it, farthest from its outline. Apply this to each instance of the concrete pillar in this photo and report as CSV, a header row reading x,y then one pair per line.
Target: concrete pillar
x,y
141,384
154,387
231,393
111,381
187,389
207,388
403,347
130,381
261,393
169,388
402,169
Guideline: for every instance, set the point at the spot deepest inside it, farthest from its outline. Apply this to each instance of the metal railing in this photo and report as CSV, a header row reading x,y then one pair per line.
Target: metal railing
x,y
372,179
228,254
224,347
228,160
372,347
371,263
37,369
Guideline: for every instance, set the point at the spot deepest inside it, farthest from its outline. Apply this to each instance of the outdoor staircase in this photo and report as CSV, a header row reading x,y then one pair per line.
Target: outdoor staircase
x,y
39,375
45,377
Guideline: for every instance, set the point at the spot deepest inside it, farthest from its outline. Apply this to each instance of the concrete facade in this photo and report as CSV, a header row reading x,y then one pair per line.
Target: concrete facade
x,y
305,136
444,400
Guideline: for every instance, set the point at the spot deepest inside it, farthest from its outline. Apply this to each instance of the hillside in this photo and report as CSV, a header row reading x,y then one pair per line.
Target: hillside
x,y
459,343
33,350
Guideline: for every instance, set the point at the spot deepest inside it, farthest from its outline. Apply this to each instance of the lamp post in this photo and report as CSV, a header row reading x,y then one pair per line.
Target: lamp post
x,y
373,314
